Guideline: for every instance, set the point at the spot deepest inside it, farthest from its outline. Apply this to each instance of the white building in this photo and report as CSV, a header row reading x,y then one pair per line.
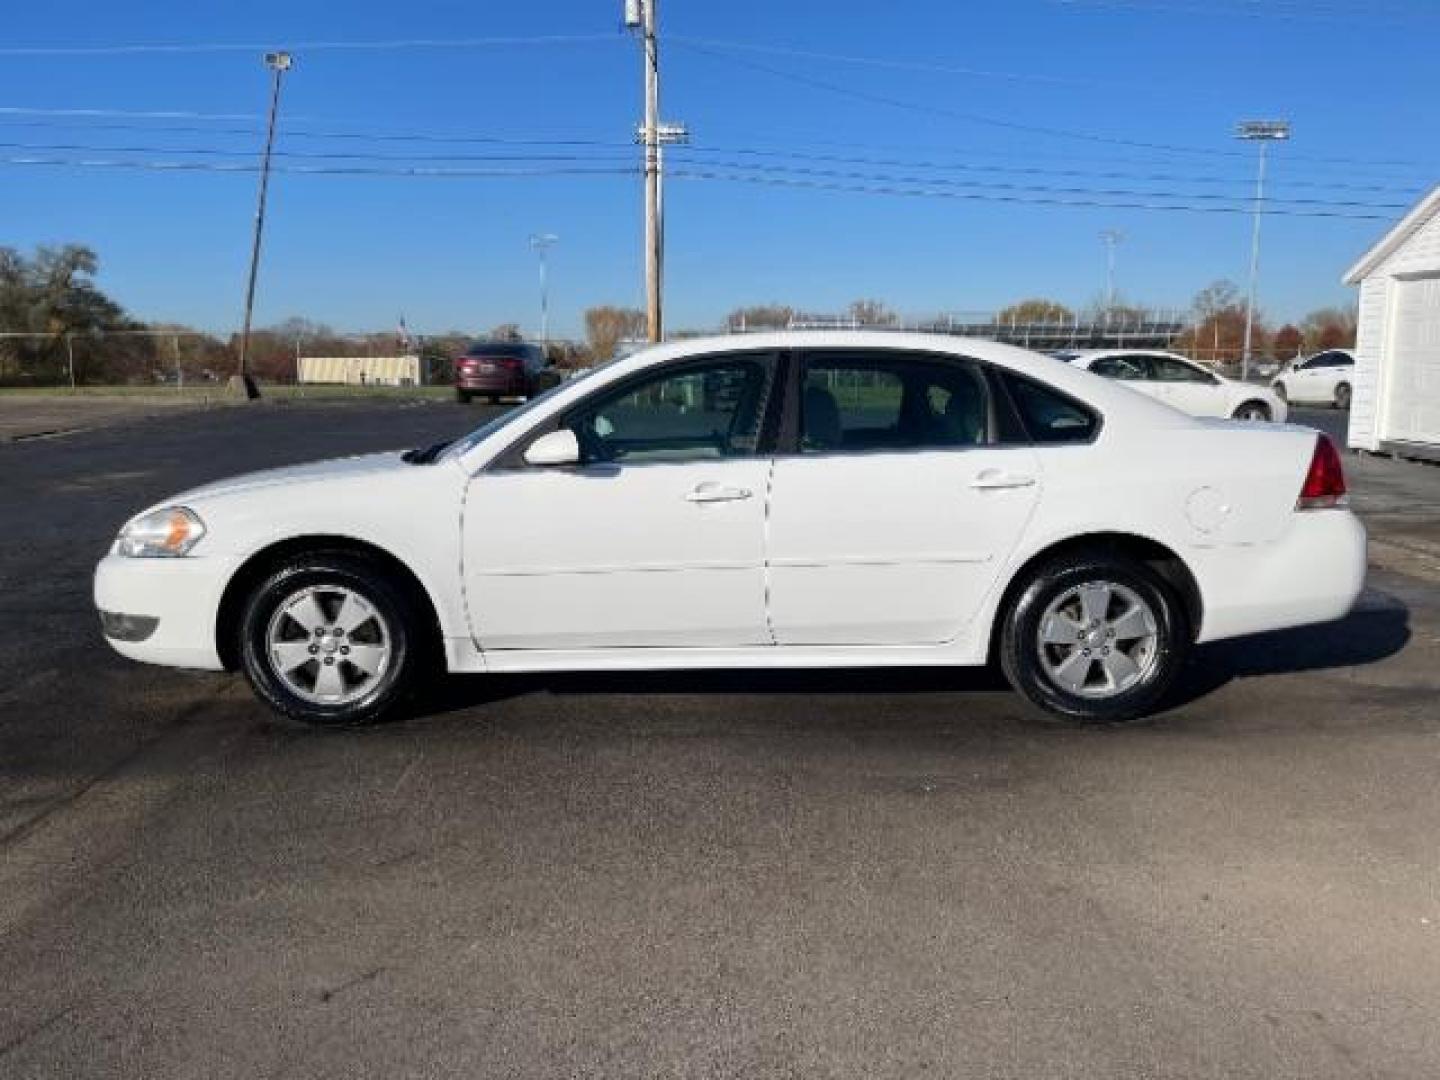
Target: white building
x,y
1395,406
362,370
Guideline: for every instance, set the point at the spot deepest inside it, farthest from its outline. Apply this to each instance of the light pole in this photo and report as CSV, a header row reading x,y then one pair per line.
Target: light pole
x,y
541,243
278,63
1264,132
1110,237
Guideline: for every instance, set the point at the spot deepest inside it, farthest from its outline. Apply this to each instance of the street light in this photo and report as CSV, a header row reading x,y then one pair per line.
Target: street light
x,y
1110,237
278,63
1264,132
540,243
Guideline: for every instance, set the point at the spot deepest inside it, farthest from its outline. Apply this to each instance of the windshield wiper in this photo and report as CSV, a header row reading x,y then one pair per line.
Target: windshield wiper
x,y
425,455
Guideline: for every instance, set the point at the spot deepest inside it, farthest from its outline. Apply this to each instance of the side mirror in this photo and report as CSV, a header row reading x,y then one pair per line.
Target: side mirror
x,y
556,448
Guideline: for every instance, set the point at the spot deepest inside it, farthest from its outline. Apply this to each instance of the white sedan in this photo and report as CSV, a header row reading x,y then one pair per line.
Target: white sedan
x,y
1326,378
781,500
1188,386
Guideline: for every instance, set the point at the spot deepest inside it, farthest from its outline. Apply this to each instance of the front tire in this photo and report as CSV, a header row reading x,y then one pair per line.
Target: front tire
x,y
1252,410
1342,396
330,639
462,396
1094,638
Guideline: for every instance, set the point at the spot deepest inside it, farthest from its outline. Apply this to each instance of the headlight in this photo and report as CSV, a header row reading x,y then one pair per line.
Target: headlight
x,y
161,534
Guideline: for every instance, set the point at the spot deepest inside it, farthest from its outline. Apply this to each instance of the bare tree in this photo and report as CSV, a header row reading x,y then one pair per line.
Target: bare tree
x,y
871,313
606,326
760,317
1036,310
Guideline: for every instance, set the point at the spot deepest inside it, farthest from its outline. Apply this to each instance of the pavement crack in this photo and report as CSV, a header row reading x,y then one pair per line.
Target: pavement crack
x,y
364,977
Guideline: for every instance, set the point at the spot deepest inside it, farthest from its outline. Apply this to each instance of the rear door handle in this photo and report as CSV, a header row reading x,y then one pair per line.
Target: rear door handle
x,y
997,480
709,492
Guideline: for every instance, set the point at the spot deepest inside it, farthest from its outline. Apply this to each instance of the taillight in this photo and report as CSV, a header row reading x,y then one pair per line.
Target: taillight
x,y
1324,486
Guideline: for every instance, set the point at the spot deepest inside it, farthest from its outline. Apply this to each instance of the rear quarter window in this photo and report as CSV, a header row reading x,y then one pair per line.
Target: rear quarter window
x,y
1048,416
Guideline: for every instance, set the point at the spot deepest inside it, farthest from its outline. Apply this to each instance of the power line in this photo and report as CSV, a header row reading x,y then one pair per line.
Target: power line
x,y
939,110
696,174
988,121
687,153
102,123
1246,203
928,193
393,44
315,170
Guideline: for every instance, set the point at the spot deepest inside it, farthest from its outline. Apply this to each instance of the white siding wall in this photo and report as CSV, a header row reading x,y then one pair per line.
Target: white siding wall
x,y
1369,348
1418,255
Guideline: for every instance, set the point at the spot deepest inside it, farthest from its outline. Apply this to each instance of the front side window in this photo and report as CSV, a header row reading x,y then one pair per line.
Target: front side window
x,y
1168,369
1048,415
1125,368
712,409
856,402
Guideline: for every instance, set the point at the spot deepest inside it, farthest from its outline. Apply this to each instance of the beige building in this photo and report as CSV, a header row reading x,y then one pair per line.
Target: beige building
x,y
363,370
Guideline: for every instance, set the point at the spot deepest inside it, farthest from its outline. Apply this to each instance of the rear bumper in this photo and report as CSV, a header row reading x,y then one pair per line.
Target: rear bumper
x,y
1313,574
166,608
503,383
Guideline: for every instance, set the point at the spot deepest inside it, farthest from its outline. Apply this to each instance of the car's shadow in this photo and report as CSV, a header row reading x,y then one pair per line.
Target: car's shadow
x,y
1369,635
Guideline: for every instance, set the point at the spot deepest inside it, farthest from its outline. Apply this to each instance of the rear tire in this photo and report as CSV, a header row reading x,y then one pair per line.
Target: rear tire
x,y
330,639
1342,396
1094,638
462,396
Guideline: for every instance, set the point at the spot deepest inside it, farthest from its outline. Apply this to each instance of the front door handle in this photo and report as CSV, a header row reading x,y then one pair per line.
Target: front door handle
x,y
998,479
709,492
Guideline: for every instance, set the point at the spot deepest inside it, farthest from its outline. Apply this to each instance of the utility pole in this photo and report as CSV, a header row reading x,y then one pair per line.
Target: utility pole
x,y
1110,237
541,243
1264,132
278,63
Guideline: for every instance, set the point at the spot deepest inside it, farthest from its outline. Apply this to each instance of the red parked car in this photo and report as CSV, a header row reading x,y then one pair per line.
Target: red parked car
x,y
496,369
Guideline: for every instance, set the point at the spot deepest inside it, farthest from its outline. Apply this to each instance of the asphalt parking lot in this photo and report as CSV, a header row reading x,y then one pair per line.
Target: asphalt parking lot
x,y
827,874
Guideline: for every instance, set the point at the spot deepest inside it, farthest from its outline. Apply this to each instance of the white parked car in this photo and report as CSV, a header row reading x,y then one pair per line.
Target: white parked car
x,y
778,500
1326,378
1188,386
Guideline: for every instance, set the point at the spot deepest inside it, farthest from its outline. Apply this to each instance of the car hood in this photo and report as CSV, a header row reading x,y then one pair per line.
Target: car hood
x,y
335,469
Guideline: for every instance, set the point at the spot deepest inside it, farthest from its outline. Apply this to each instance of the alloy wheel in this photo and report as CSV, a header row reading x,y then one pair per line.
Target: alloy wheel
x,y
1097,640
328,644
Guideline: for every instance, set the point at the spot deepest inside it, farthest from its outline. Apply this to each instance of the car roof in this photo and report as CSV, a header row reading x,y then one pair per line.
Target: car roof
x,y
1112,398
1101,354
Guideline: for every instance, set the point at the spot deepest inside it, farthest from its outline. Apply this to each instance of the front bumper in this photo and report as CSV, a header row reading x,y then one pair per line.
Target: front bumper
x,y
180,596
1312,574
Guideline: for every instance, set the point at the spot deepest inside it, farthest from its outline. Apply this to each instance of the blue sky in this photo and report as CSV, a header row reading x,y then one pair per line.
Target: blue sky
x,y
1019,96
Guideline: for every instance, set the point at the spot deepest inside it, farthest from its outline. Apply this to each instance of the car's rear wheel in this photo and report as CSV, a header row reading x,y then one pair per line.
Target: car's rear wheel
x,y
1252,410
462,396
1342,396
1094,638
330,639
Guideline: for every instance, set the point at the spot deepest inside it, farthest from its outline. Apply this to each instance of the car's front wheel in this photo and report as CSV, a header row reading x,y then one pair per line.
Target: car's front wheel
x,y
1342,396
330,639
1095,638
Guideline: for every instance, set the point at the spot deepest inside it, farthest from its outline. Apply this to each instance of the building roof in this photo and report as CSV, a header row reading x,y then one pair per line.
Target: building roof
x,y
1412,223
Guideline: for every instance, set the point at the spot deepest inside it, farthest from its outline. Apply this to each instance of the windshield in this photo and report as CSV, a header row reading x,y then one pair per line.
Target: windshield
x,y
484,431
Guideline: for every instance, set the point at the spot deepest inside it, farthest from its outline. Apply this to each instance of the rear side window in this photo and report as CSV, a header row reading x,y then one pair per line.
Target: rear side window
x,y
1048,415
504,349
882,400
